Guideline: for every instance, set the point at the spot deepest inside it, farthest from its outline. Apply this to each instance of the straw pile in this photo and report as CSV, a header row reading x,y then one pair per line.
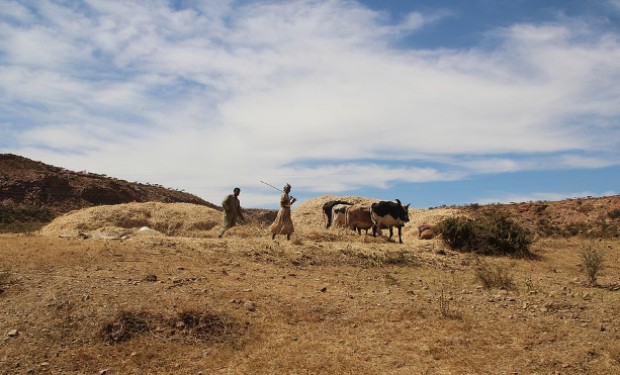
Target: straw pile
x,y
310,213
191,220
171,219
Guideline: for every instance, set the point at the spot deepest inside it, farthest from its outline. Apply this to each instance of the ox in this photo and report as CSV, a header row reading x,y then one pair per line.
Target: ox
x,y
339,215
328,210
388,214
358,217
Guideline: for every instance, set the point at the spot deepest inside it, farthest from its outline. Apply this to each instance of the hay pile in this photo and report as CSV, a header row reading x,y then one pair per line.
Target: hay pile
x,y
171,219
191,220
310,213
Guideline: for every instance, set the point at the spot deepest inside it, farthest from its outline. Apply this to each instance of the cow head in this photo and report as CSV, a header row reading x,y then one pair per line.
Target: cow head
x,y
403,215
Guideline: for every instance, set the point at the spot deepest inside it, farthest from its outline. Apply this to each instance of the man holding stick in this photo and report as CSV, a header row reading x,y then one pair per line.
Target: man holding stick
x,y
283,224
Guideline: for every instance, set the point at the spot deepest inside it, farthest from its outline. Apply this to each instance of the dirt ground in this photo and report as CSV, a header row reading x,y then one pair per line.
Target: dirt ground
x,y
92,294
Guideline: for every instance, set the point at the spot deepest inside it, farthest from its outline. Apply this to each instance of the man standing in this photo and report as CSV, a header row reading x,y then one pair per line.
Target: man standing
x,y
283,224
232,211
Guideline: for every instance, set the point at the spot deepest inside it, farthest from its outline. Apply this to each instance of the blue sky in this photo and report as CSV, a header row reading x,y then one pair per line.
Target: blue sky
x,y
432,102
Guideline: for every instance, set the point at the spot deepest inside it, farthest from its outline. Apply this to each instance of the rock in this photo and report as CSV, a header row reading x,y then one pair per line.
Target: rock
x,y
13,333
250,306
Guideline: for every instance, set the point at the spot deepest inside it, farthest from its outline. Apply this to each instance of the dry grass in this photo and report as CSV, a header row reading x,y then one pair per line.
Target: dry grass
x,y
326,302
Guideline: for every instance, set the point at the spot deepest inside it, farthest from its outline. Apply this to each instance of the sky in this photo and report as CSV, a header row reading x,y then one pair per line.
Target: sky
x,y
444,102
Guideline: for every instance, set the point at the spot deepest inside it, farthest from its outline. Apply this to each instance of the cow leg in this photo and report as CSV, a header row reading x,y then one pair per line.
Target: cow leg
x,y
391,233
400,239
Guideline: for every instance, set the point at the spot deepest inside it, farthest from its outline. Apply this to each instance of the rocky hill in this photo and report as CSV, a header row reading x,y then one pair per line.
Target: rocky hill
x,y
28,183
594,217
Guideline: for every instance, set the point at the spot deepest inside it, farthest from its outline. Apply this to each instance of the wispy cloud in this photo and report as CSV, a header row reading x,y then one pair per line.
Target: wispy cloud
x,y
221,94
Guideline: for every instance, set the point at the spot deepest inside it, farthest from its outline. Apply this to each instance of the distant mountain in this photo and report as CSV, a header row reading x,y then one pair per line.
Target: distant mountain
x,y
28,183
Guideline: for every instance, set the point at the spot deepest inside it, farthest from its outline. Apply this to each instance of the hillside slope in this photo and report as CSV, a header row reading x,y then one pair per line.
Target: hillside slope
x,y
28,183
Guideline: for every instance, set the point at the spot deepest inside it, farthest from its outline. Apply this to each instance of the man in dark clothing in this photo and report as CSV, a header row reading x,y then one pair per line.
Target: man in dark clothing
x,y
232,211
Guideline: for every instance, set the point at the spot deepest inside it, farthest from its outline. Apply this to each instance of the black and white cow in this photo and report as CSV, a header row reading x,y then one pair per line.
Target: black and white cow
x,y
328,209
339,215
388,214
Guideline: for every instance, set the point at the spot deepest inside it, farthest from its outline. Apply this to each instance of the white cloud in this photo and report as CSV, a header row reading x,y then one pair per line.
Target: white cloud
x,y
15,11
231,93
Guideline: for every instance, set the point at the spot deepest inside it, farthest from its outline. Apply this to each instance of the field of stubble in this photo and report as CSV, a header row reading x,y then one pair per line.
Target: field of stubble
x,y
326,302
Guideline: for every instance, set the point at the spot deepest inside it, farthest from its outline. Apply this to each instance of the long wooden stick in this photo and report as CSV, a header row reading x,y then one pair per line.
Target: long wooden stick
x,y
272,186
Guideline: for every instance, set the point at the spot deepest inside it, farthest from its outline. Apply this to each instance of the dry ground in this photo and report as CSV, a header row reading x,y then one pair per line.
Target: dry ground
x,y
178,300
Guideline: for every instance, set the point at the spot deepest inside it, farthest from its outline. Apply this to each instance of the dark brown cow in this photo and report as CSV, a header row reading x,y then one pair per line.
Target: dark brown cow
x,y
358,217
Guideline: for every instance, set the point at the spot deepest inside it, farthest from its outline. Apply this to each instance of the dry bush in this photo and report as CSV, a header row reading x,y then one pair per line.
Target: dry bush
x,y
446,310
125,326
493,233
204,326
614,214
496,276
592,261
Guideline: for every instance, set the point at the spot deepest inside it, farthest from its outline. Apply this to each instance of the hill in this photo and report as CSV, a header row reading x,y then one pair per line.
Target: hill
x,y
29,183
593,217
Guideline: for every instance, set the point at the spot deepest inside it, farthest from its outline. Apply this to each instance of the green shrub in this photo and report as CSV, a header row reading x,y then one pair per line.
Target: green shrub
x,y
493,233
25,219
456,232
